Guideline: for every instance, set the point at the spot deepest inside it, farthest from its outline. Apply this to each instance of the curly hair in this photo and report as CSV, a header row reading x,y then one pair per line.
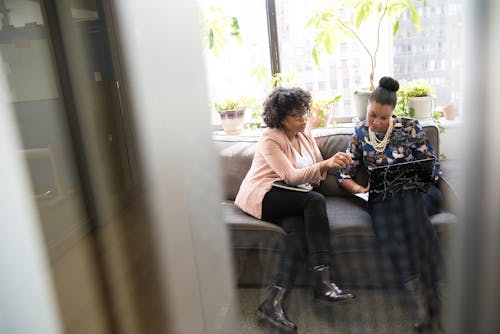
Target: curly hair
x,y
281,101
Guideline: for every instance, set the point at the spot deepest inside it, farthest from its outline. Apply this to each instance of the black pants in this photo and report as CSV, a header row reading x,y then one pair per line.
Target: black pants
x,y
303,216
404,232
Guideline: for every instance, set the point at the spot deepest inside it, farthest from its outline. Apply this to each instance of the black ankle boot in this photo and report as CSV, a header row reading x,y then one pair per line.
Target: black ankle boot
x,y
438,295
435,303
325,289
420,296
272,310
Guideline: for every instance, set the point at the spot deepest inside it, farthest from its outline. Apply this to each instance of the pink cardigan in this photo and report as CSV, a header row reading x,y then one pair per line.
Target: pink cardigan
x,y
275,160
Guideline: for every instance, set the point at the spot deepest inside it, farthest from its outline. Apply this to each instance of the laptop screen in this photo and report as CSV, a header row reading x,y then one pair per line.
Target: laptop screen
x,y
389,180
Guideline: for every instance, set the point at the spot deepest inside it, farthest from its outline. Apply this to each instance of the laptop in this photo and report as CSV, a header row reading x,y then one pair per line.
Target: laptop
x,y
390,180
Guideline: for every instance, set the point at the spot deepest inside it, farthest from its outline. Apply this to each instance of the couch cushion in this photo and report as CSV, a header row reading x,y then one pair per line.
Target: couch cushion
x,y
235,160
347,216
248,232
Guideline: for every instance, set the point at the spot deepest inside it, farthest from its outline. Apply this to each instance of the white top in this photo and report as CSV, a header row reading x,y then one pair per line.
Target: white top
x,y
303,161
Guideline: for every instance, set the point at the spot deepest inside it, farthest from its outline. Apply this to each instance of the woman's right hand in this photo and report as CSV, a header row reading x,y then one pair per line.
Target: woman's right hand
x,y
339,160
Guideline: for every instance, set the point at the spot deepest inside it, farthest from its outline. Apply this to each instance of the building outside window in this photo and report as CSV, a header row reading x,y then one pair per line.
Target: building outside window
x,y
441,62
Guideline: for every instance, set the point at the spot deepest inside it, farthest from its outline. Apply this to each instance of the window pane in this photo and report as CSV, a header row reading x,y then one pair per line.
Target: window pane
x,y
434,54
27,55
233,72
342,72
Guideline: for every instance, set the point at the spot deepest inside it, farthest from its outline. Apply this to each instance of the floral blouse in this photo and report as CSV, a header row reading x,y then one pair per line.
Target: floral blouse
x,y
407,142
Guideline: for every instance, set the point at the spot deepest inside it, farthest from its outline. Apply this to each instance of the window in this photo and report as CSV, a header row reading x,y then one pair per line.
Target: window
x,y
239,69
347,68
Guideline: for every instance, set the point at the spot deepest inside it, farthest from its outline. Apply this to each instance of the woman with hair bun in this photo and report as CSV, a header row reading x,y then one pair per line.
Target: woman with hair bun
x,y
401,223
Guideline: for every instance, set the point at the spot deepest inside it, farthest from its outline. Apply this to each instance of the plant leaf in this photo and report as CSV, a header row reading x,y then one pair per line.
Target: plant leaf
x,y
336,99
315,55
360,16
211,39
415,18
395,28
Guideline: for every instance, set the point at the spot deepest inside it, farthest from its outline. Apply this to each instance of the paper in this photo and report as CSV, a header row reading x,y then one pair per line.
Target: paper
x,y
363,196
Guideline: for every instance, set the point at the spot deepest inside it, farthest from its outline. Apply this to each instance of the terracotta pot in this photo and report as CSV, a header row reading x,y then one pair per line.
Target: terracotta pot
x,y
318,118
233,121
449,111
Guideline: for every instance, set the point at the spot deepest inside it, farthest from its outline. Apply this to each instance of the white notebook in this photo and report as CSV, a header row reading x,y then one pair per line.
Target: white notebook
x,y
301,187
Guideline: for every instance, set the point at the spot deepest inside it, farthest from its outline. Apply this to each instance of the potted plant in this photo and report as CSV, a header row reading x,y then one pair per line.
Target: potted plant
x,y
232,114
331,27
415,99
322,111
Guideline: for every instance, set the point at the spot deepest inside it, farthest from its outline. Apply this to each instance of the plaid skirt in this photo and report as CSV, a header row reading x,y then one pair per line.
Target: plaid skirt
x,y
404,232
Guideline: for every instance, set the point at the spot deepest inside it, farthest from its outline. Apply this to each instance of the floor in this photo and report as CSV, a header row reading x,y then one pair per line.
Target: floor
x,y
372,311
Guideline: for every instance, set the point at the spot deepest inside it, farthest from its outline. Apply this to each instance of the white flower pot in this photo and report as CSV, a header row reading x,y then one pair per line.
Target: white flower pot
x,y
423,107
233,121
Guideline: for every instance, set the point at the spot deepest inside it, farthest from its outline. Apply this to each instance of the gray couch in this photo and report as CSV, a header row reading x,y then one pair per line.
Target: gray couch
x,y
356,258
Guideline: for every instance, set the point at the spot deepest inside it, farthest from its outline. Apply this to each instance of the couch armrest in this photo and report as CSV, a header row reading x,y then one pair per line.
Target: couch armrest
x,y
448,184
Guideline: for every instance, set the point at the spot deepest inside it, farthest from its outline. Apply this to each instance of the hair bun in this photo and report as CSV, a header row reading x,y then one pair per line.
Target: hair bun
x,y
389,84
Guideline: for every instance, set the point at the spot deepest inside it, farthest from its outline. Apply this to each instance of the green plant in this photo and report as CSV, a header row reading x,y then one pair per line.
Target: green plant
x,y
218,28
231,104
234,103
320,109
331,27
415,88
411,89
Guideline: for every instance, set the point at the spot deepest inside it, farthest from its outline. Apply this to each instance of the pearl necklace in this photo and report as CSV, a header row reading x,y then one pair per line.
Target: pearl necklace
x,y
380,144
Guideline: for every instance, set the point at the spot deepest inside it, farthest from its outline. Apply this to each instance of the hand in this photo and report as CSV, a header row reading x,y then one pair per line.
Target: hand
x,y
340,160
359,189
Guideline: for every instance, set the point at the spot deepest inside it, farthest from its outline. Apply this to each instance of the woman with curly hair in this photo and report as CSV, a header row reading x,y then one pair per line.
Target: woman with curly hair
x,y
287,152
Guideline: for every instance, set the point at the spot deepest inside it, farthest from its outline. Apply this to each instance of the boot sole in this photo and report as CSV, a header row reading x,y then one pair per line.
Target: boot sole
x,y
265,317
327,303
319,300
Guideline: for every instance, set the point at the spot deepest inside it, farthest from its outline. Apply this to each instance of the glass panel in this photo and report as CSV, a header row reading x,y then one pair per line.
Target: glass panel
x,y
342,72
26,51
84,10
96,72
236,69
435,54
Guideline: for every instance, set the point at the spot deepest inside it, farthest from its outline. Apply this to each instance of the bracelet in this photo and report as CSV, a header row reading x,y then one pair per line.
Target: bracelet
x,y
355,188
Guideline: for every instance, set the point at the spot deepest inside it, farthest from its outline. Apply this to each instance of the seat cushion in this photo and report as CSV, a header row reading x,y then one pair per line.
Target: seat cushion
x,y
347,216
248,232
